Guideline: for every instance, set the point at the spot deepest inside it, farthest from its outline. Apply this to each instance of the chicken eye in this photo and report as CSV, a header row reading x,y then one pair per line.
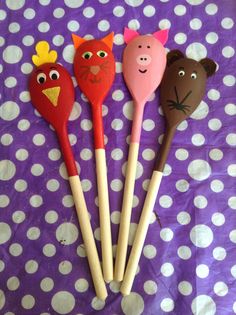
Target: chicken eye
x,y
181,73
102,53
87,55
41,78
194,75
54,75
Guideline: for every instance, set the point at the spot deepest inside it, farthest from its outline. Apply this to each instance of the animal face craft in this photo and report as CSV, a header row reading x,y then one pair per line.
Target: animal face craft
x,y
144,62
94,66
183,85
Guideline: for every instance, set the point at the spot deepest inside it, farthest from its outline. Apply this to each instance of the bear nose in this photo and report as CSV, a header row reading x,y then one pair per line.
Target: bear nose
x,y
94,69
143,60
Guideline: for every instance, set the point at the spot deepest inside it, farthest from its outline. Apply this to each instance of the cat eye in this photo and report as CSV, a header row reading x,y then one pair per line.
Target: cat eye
x,y
54,75
102,53
194,75
181,73
41,78
87,55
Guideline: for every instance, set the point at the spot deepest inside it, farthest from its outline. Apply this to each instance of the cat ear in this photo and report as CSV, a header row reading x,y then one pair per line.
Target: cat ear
x,y
129,34
108,40
162,36
77,40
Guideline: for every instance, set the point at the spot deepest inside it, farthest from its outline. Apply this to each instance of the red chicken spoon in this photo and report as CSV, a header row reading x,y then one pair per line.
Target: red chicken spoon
x,y
52,94
94,67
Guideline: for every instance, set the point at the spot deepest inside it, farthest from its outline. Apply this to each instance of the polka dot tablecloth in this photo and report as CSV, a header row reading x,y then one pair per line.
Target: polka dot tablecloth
x,y
188,264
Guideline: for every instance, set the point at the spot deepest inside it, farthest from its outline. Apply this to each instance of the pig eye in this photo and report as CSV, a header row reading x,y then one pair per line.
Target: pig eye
x,y
41,78
181,73
148,46
102,53
87,55
54,75
194,75
140,46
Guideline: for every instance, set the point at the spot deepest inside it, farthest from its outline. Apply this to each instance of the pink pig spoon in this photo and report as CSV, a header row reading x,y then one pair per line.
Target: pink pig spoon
x,y
144,62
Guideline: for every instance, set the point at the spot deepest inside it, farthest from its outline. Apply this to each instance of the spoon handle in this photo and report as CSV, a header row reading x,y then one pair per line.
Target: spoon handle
x,y
125,218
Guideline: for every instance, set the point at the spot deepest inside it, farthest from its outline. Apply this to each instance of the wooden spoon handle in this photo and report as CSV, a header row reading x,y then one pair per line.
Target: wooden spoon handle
x,y
104,214
141,233
88,237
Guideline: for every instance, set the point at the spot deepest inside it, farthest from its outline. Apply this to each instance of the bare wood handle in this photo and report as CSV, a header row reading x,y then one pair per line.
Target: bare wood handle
x,y
121,251
141,233
88,237
104,213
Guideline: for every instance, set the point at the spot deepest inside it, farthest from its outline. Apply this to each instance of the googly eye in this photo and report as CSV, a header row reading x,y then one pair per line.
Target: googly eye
x,y
194,75
87,55
41,78
102,53
54,75
181,73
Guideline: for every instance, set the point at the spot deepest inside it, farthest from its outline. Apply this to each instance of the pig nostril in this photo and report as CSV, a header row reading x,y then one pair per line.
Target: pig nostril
x,y
141,58
145,58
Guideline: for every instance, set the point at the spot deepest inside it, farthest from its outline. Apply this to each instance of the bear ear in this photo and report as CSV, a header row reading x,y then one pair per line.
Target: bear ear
x,y
209,65
173,56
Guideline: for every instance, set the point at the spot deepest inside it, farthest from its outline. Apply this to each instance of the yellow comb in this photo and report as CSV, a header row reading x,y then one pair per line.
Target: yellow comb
x,y
44,55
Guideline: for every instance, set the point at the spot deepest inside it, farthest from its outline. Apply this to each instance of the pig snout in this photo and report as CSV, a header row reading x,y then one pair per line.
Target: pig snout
x,y
143,60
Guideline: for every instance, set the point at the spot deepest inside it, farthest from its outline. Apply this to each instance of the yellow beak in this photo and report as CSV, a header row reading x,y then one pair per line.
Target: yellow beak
x,y
52,94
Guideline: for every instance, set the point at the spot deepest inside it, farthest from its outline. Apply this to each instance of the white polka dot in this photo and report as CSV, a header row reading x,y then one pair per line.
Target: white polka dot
x,y
65,267
28,302
116,185
145,184
115,217
53,185
58,40
233,271
220,288
81,285
128,110
212,38
38,139
14,27
44,2
229,80
117,124
183,218
195,24
2,15
33,233
218,219
181,154
201,235
86,154
132,304
10,82
200,202
234,307
167,269
89,12
47,284
6,139
76,111
118,67
195,2
211,9
118,11
86,185
201,112
167,305
63,302
219,253
132,231
180,9
81,251
148,124
134,3
18,216
185,288
166,234
232,236
63,171
216,154
49,250
7,170
164,23
182,185
5,232
149,251
115,286
231,170
26,68
117,154
227,23
217,186
213,94
2,266
232,203
149,11
23,125
51,217
196,51
202,271
4,201
203,304
37,169
29,14
68,53
148,154
9,111
230,109
2,299
54,154
36,201
86,124
231,139
103,25
165,201
184,252
58,13
182,126
31,266
150,287
22,154
13,283
15,5
20,185
97,304
2,41
180,38
15,249
43,27
67,233
118,95
199,170
28,40
134,24
73,26
228,52
24,96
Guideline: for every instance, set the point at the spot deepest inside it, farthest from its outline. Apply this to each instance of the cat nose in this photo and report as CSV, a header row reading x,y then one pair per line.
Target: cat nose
x,y
143,60
94,69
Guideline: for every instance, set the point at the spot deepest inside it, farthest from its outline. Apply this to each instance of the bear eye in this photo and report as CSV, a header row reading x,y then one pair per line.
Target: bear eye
x,y
41,78
54,75
194,75
181,73
102,53
87,55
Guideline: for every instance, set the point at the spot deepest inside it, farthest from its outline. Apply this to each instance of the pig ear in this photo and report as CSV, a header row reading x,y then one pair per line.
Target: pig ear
x,y
162,36
209,65
173,56
77,40
129,35
108,40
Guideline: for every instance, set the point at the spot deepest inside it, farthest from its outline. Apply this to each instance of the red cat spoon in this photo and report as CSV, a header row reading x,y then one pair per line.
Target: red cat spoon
x,y
52,94
94,67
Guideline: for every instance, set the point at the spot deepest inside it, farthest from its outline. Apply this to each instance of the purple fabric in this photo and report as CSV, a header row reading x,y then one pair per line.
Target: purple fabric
x,y
188,266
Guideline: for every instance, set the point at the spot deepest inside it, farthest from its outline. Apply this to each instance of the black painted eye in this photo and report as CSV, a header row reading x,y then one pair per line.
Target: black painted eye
x,y
87,55
194,75
102,53
54,75
140,46
41,78
148,46
181,73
